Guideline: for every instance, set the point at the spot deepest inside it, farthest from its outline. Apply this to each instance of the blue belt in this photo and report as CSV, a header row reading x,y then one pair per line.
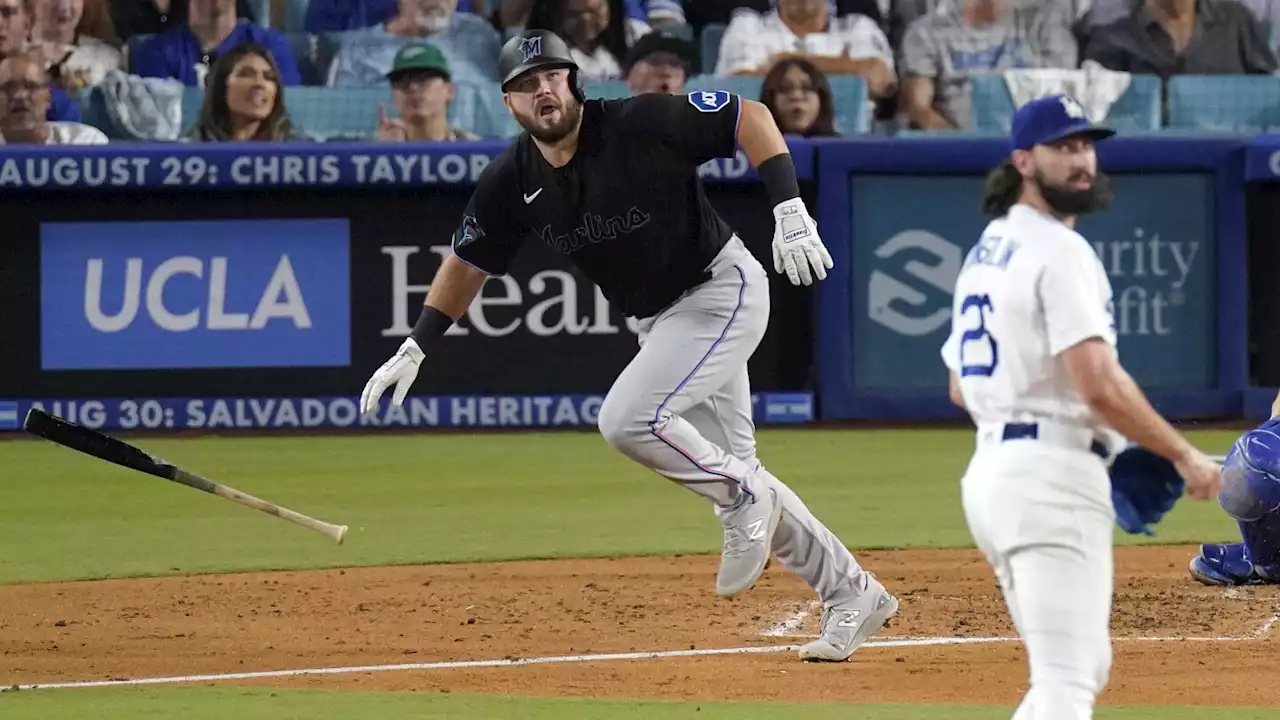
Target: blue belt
x,y
1030,431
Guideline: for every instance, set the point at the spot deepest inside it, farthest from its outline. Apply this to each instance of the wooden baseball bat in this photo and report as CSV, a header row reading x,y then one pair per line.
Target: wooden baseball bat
x,y
114,450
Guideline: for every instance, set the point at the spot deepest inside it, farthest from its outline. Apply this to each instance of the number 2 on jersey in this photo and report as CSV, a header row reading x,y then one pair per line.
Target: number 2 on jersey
x,y
981,305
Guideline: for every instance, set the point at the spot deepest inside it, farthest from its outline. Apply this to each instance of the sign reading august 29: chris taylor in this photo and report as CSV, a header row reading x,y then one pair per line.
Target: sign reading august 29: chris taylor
x,y
197,167
247,170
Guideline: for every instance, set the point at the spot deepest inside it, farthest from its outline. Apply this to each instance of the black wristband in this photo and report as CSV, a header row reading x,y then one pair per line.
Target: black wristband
x,y
432,325
779,177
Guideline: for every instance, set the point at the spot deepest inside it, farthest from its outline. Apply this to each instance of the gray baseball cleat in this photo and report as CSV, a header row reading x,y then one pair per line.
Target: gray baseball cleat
x,y
748,541
846,627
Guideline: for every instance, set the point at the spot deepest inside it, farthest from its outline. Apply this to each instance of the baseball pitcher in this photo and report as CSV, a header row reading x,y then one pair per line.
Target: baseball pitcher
x,y
1032,357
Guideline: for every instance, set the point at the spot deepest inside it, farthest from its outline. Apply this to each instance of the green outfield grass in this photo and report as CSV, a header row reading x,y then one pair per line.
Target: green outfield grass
x,y
449,498
267,704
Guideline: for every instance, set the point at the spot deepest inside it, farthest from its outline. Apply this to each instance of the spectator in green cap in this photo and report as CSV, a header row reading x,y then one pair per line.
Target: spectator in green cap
x,y
421,88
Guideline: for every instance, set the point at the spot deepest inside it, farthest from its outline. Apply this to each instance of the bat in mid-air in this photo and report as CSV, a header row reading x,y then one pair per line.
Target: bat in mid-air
x,y
105,447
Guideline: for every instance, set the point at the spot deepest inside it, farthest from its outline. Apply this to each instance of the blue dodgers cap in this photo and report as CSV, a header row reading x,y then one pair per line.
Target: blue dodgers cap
x,y
1053,118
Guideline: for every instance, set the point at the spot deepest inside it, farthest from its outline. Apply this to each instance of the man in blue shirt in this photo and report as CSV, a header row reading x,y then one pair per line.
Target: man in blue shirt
x,y
469,42
186,52
61,106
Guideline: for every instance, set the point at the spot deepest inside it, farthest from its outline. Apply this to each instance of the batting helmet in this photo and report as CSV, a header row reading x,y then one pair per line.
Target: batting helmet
x,y
538,50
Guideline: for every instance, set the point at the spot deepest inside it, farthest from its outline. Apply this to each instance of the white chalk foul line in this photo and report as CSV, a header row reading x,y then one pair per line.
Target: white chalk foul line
x,y
604,657
550,660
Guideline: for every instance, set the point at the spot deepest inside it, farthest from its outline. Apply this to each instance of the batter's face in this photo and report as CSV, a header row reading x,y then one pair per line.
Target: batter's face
x,y
543,104
1066,173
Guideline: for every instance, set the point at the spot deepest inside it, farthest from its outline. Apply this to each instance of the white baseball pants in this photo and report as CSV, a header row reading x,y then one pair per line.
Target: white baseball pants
x,y
682,408
1042,516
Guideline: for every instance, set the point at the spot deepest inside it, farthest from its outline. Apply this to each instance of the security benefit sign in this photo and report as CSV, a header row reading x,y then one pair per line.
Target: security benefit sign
x,y
911,235
204,294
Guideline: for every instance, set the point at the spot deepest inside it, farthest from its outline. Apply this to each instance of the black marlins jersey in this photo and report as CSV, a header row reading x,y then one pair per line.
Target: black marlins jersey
x,y
629,209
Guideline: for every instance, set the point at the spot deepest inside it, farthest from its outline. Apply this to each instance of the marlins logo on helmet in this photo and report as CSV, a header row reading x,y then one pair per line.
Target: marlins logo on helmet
x,y
531,48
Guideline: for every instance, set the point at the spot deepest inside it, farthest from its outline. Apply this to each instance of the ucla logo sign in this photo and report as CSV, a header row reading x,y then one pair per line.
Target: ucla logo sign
x,y
195,294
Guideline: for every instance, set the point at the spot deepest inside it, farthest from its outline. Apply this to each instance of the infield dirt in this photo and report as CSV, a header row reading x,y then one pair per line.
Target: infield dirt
x,y
211,624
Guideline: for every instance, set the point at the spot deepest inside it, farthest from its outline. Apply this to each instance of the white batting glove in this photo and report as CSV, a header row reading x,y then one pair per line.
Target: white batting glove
x,y
401,370
796,245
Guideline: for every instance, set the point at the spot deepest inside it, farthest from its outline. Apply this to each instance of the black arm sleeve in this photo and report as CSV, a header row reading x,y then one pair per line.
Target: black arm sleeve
x,y
700,125
488,238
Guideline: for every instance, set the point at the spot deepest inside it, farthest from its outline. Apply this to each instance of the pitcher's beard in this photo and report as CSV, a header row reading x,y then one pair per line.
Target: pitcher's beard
x,y
1071,201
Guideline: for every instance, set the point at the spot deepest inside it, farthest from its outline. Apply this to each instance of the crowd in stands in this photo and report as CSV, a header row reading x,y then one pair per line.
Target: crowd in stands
x,y
915,60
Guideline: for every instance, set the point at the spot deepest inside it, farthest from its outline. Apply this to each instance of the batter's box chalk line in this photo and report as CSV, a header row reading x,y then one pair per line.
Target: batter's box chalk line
x,y
786,627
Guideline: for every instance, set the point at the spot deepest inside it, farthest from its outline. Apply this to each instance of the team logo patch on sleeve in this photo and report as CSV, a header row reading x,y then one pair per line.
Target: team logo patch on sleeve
x,y
709,101
468,232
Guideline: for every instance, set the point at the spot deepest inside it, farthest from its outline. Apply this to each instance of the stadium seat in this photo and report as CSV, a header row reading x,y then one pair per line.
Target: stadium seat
x,y
607,89
192,101
305,49
479,108
261,12
324,113
295,16
93,111
919,134
1137,110
1224,103
748,86
853,106
710,45
681,30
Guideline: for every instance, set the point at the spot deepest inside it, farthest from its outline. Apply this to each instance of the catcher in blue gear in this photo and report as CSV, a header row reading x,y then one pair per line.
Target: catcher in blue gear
x,y
1250,494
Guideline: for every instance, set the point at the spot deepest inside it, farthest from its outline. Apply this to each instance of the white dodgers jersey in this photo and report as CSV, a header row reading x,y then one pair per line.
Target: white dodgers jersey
x,y
1030,289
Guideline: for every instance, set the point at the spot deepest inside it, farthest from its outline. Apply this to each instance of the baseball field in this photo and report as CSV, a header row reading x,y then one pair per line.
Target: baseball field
x,y
545,576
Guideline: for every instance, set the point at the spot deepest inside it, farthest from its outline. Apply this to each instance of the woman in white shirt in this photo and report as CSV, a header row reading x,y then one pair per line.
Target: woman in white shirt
x,y
598,32
77,40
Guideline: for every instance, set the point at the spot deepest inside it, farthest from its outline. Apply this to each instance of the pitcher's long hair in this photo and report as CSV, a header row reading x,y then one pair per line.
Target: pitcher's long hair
x,y
1003,188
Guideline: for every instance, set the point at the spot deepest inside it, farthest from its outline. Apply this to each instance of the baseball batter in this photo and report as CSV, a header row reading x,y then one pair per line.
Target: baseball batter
x,y
614,186
1032,358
